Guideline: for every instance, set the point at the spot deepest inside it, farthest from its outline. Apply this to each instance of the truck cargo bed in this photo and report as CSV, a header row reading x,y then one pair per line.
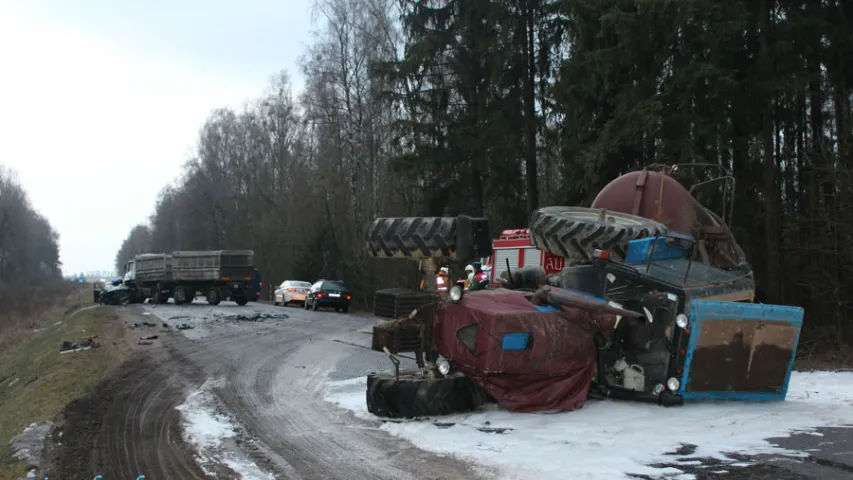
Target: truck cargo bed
x,y
217,265
153,267
229,266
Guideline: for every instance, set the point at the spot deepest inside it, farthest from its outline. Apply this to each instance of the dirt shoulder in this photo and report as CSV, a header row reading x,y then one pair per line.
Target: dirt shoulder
x,y
37,381
128,426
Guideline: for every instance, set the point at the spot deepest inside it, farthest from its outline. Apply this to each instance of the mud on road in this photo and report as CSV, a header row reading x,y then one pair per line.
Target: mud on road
x,y
268,366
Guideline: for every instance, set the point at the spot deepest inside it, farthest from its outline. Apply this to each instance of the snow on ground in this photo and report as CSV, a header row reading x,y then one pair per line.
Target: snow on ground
x,y
608,439
213,435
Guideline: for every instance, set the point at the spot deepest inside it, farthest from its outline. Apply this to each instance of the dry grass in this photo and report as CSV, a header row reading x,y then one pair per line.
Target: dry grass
x,y
21,312
38,381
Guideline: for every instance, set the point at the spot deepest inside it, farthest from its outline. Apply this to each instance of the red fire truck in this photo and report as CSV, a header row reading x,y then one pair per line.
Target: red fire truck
x,y
514,245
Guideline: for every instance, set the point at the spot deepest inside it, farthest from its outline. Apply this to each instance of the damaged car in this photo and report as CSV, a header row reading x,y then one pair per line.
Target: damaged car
x,y
114,293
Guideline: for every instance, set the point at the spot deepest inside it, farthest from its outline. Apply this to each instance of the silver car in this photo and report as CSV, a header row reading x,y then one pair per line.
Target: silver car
x,y
291,291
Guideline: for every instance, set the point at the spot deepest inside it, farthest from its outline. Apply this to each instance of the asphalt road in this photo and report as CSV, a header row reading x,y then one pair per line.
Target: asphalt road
x,y
271,363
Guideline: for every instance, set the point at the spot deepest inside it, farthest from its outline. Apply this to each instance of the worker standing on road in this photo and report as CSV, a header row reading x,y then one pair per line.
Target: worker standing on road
x,y
442,278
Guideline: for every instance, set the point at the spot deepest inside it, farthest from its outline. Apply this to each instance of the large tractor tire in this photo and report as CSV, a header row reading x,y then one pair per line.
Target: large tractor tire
x,y
575,232
414,396
429,237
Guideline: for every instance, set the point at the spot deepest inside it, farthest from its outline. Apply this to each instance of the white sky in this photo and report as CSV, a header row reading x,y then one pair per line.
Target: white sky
x,y
101,101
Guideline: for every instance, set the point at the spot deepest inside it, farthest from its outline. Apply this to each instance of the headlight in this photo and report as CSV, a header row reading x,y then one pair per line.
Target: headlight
x,y
443,366
682,321
673,384
456,293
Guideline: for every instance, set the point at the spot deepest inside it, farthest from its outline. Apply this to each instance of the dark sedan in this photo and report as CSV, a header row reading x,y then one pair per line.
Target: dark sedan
x,y
328,293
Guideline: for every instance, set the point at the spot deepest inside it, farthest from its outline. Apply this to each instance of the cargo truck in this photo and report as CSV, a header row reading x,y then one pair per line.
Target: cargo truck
x,y
182,275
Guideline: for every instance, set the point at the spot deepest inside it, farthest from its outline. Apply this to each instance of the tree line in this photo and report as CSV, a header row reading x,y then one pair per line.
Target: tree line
x,y
29,247
30,277
497,107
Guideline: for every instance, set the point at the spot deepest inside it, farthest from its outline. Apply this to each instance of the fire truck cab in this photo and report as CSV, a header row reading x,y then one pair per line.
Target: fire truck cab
x,y
514,246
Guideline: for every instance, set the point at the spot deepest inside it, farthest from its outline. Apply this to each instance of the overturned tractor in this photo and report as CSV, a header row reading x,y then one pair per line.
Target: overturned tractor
x,y
655,305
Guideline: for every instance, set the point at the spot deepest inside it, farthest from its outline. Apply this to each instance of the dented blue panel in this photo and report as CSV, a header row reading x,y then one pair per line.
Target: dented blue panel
x,y
640,249
740,351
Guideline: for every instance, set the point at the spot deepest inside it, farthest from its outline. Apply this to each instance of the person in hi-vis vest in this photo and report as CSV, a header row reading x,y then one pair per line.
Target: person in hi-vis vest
x,y
442,280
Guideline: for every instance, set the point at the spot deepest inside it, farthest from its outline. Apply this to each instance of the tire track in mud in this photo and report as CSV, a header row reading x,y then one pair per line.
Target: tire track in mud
x,y
128,427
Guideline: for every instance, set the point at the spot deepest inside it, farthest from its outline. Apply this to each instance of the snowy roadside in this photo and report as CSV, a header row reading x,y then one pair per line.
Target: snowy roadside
x,y
213,434
610,439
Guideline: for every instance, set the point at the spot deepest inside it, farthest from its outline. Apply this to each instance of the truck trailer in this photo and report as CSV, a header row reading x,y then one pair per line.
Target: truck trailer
x,y
182,275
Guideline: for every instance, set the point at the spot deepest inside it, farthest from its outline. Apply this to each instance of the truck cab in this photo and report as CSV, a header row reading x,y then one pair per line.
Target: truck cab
x,y
130,272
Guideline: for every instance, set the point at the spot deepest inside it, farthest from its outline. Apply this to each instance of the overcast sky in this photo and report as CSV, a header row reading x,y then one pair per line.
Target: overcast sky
x,y
101,101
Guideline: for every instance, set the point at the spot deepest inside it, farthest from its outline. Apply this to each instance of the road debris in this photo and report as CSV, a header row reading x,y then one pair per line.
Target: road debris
x,y
144,324
183,326
78,345
250,317
149,337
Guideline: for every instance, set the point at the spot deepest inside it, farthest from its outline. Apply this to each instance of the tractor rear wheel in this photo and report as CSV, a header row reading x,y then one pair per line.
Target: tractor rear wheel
x,y
412,237
575,232
414,395
459,238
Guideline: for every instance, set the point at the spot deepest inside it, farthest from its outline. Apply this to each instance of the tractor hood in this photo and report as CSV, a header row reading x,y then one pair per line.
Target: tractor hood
x,y
739,351
527,359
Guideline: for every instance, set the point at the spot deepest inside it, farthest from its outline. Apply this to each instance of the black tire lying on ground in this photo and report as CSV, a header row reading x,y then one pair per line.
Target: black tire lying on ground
x,y
414,396
575,232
